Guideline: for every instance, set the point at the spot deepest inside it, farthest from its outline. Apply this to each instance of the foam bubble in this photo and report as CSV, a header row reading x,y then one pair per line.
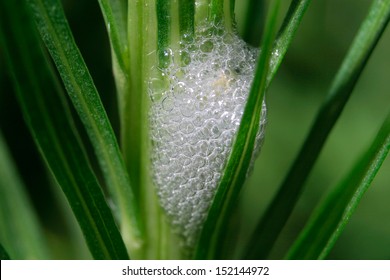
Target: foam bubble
x,y
193,123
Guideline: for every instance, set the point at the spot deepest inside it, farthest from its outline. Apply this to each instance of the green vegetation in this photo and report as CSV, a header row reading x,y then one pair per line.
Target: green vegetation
x,y
91,120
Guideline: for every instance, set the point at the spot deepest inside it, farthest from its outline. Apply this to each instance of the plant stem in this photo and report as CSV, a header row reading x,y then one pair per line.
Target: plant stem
x,y
147,50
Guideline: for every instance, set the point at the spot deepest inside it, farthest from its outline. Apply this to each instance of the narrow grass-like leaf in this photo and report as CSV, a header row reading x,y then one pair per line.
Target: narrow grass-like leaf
x,y
50,123
115,16
287,33
211,237
19,227
3,253
163,8
186,19
279,211
58,38
329,220
202,11
220,12
116,19
216,11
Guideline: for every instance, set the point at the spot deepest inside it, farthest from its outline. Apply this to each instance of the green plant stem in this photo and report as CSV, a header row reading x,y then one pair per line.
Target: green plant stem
x,y
130,96
58,38
201,11
213,231
143,43
50,123
329,220
227,14
215,12
134,119
279,211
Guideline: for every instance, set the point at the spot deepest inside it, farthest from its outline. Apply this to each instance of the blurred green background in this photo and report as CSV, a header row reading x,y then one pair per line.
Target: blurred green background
x,y
293,100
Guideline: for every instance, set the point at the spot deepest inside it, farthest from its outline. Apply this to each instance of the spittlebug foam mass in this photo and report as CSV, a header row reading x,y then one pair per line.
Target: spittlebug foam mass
x,y
197,101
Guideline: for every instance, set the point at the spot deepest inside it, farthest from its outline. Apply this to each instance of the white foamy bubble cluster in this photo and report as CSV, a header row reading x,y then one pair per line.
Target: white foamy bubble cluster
x,y
196,110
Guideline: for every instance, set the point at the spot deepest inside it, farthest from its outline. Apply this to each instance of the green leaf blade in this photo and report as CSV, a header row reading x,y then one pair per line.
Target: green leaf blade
x,y
115,17
328,222
163,32
58,38
287,33
211,236
50,123
186,19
